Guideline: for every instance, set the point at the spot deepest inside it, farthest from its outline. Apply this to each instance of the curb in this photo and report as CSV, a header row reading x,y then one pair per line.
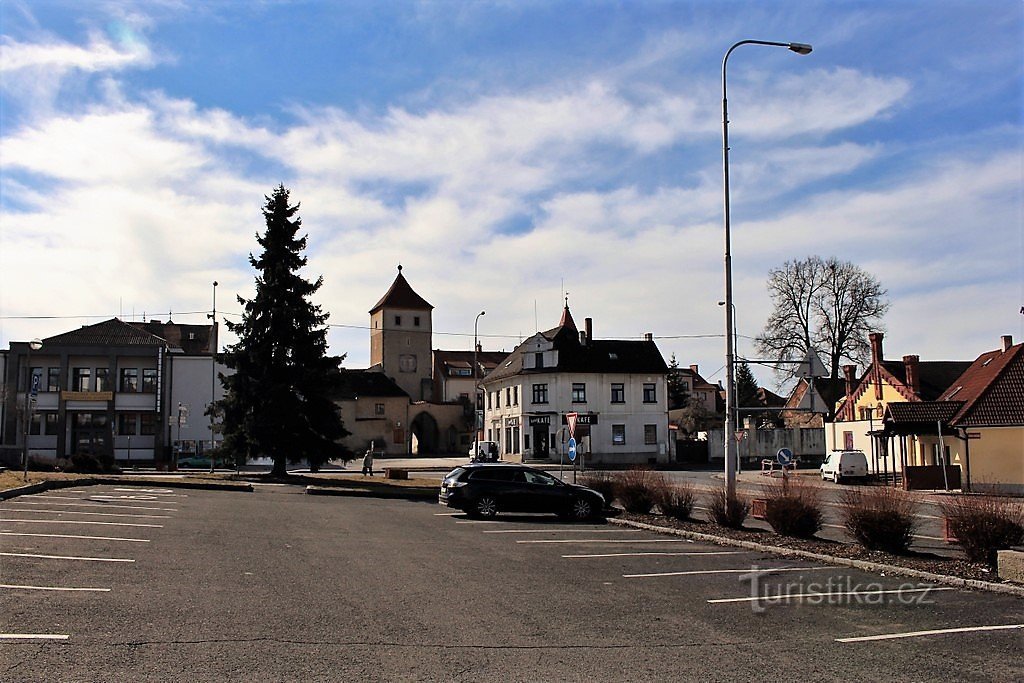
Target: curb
x,y
1017,591
96,481
411,494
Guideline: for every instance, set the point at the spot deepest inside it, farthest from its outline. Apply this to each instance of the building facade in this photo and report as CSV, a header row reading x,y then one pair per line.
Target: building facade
x,y
617,389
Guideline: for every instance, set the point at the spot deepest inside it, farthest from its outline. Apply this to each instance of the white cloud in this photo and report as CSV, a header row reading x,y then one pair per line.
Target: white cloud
x,y
99,55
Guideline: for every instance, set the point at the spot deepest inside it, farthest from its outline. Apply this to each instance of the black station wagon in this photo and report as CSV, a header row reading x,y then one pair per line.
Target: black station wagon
x,y
484,489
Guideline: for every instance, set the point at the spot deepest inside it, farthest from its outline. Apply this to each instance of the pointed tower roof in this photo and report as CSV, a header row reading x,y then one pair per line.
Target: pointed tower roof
x,y
401,295
567,320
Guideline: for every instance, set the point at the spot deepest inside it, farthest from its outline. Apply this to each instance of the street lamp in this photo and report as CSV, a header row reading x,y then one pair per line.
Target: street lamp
x,y
730,370
476,385
213,372
33,345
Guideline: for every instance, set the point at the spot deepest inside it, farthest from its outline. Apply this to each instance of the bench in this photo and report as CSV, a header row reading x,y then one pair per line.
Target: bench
x,y
395,473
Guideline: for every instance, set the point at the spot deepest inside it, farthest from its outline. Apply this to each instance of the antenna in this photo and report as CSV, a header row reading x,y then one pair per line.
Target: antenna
x,y
536,324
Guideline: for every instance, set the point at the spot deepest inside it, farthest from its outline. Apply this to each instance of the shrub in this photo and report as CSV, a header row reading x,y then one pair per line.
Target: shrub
x,y
638,490
880,518
676,500
793,508
983,525
728,511
603,483
88,463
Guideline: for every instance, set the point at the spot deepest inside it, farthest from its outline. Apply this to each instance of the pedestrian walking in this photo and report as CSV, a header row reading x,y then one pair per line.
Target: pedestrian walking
x,y
368,461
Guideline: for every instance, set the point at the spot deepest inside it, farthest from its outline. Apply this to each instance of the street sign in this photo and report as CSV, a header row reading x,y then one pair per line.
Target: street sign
x,y
973,435
784,456
572,450
570,419
740,433
35,385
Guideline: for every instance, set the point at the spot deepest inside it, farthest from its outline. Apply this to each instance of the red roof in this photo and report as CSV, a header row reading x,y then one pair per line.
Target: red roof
x,y
401,295
992,390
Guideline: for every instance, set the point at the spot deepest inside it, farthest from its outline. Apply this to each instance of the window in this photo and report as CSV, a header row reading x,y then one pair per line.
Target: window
x,y
149,380
102,379
685,386
398,321
416,320
579,392
488,400
497,399
407,362
515,395
126,424
649,394
515,439
650,434
508,396
538,360
848,441
378,409
618,393
462,372
51,423
618,435
147,424
540,393
130,380
53,379
80,379
35,424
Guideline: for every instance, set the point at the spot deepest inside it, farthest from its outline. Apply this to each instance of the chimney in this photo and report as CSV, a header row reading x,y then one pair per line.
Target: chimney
x,y
1007,342
583,338
850,373
913,377
649,336
876,347
693,369
588,325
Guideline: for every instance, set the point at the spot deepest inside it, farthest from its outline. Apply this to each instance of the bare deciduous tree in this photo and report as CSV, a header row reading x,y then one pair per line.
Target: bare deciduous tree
x,y
827,305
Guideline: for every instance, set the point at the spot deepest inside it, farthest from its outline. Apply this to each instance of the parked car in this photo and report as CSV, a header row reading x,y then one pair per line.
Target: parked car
x,y
484,489
484,451
843,465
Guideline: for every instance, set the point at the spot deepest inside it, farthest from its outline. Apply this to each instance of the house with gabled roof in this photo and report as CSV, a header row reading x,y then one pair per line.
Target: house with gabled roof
x,y
977,423
860,411
617,389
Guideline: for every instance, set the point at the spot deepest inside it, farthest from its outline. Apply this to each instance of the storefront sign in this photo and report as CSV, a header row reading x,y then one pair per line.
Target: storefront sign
x,y
540,420
512,422
583,419
87,395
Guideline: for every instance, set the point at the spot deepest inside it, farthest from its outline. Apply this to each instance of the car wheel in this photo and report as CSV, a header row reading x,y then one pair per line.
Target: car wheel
x,y
486,506
838,479
581,509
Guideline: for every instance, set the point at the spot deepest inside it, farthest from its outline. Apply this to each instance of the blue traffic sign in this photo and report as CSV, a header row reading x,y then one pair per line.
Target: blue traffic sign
x,y
572,450
784,456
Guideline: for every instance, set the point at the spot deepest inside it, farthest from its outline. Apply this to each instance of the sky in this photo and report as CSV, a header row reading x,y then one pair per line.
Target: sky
x,y
511,153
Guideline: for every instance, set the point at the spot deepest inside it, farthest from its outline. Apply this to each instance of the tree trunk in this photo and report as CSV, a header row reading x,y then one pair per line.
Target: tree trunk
x,y
279,467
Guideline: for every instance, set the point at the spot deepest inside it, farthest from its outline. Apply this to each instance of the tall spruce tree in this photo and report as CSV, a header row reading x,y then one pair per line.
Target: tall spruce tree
x,y
678,396
746,390
279,401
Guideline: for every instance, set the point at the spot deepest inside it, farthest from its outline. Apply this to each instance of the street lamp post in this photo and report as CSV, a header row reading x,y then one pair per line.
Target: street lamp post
x,y
33,345
476,386
730,370
213,373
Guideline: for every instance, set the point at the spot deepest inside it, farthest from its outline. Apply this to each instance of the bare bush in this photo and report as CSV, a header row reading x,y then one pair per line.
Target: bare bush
x,y
984,525
880,518
676,500
638,490
602,482
793,508
728,511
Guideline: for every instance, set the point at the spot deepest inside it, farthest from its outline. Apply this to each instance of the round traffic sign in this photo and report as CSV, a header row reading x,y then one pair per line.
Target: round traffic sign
x,y
784,456
572,450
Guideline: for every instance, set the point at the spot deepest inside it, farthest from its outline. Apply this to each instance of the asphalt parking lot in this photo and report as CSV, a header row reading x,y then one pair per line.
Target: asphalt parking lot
x,y
121,583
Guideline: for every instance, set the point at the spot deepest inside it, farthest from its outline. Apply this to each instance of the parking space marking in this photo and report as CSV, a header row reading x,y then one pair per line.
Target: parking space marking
x,y
703,552
91,505
78,512
447,514
748,570
936,632
9,586
67,557
77,521
558,530
33,636
606,540
787,596
479,521
91,538
155,492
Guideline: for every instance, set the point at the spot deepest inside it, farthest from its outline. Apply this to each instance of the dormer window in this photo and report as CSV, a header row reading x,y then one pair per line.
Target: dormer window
x,y
538,360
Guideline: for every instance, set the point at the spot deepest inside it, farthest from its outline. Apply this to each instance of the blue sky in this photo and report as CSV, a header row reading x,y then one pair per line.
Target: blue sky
x,y
506,152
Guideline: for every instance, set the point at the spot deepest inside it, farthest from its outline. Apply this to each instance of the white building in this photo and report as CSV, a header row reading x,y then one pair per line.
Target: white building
x,y
617,388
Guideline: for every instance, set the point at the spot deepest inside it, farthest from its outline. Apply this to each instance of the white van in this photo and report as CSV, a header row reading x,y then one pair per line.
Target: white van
x,y
842,465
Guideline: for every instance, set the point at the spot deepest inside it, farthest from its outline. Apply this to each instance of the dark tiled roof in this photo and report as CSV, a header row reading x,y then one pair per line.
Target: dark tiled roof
x,y
921,412
113,332
451,359
362,383
401,295
992,390
194,340
935,375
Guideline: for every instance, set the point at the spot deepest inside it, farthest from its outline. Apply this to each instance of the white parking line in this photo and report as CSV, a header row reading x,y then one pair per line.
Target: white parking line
x,y
748,570
78,512
156,492
606,540
91,538
9,586
33,636
478,521
91,505
447,514
76,521
941,631
706,552
789,596
556,531
67,557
